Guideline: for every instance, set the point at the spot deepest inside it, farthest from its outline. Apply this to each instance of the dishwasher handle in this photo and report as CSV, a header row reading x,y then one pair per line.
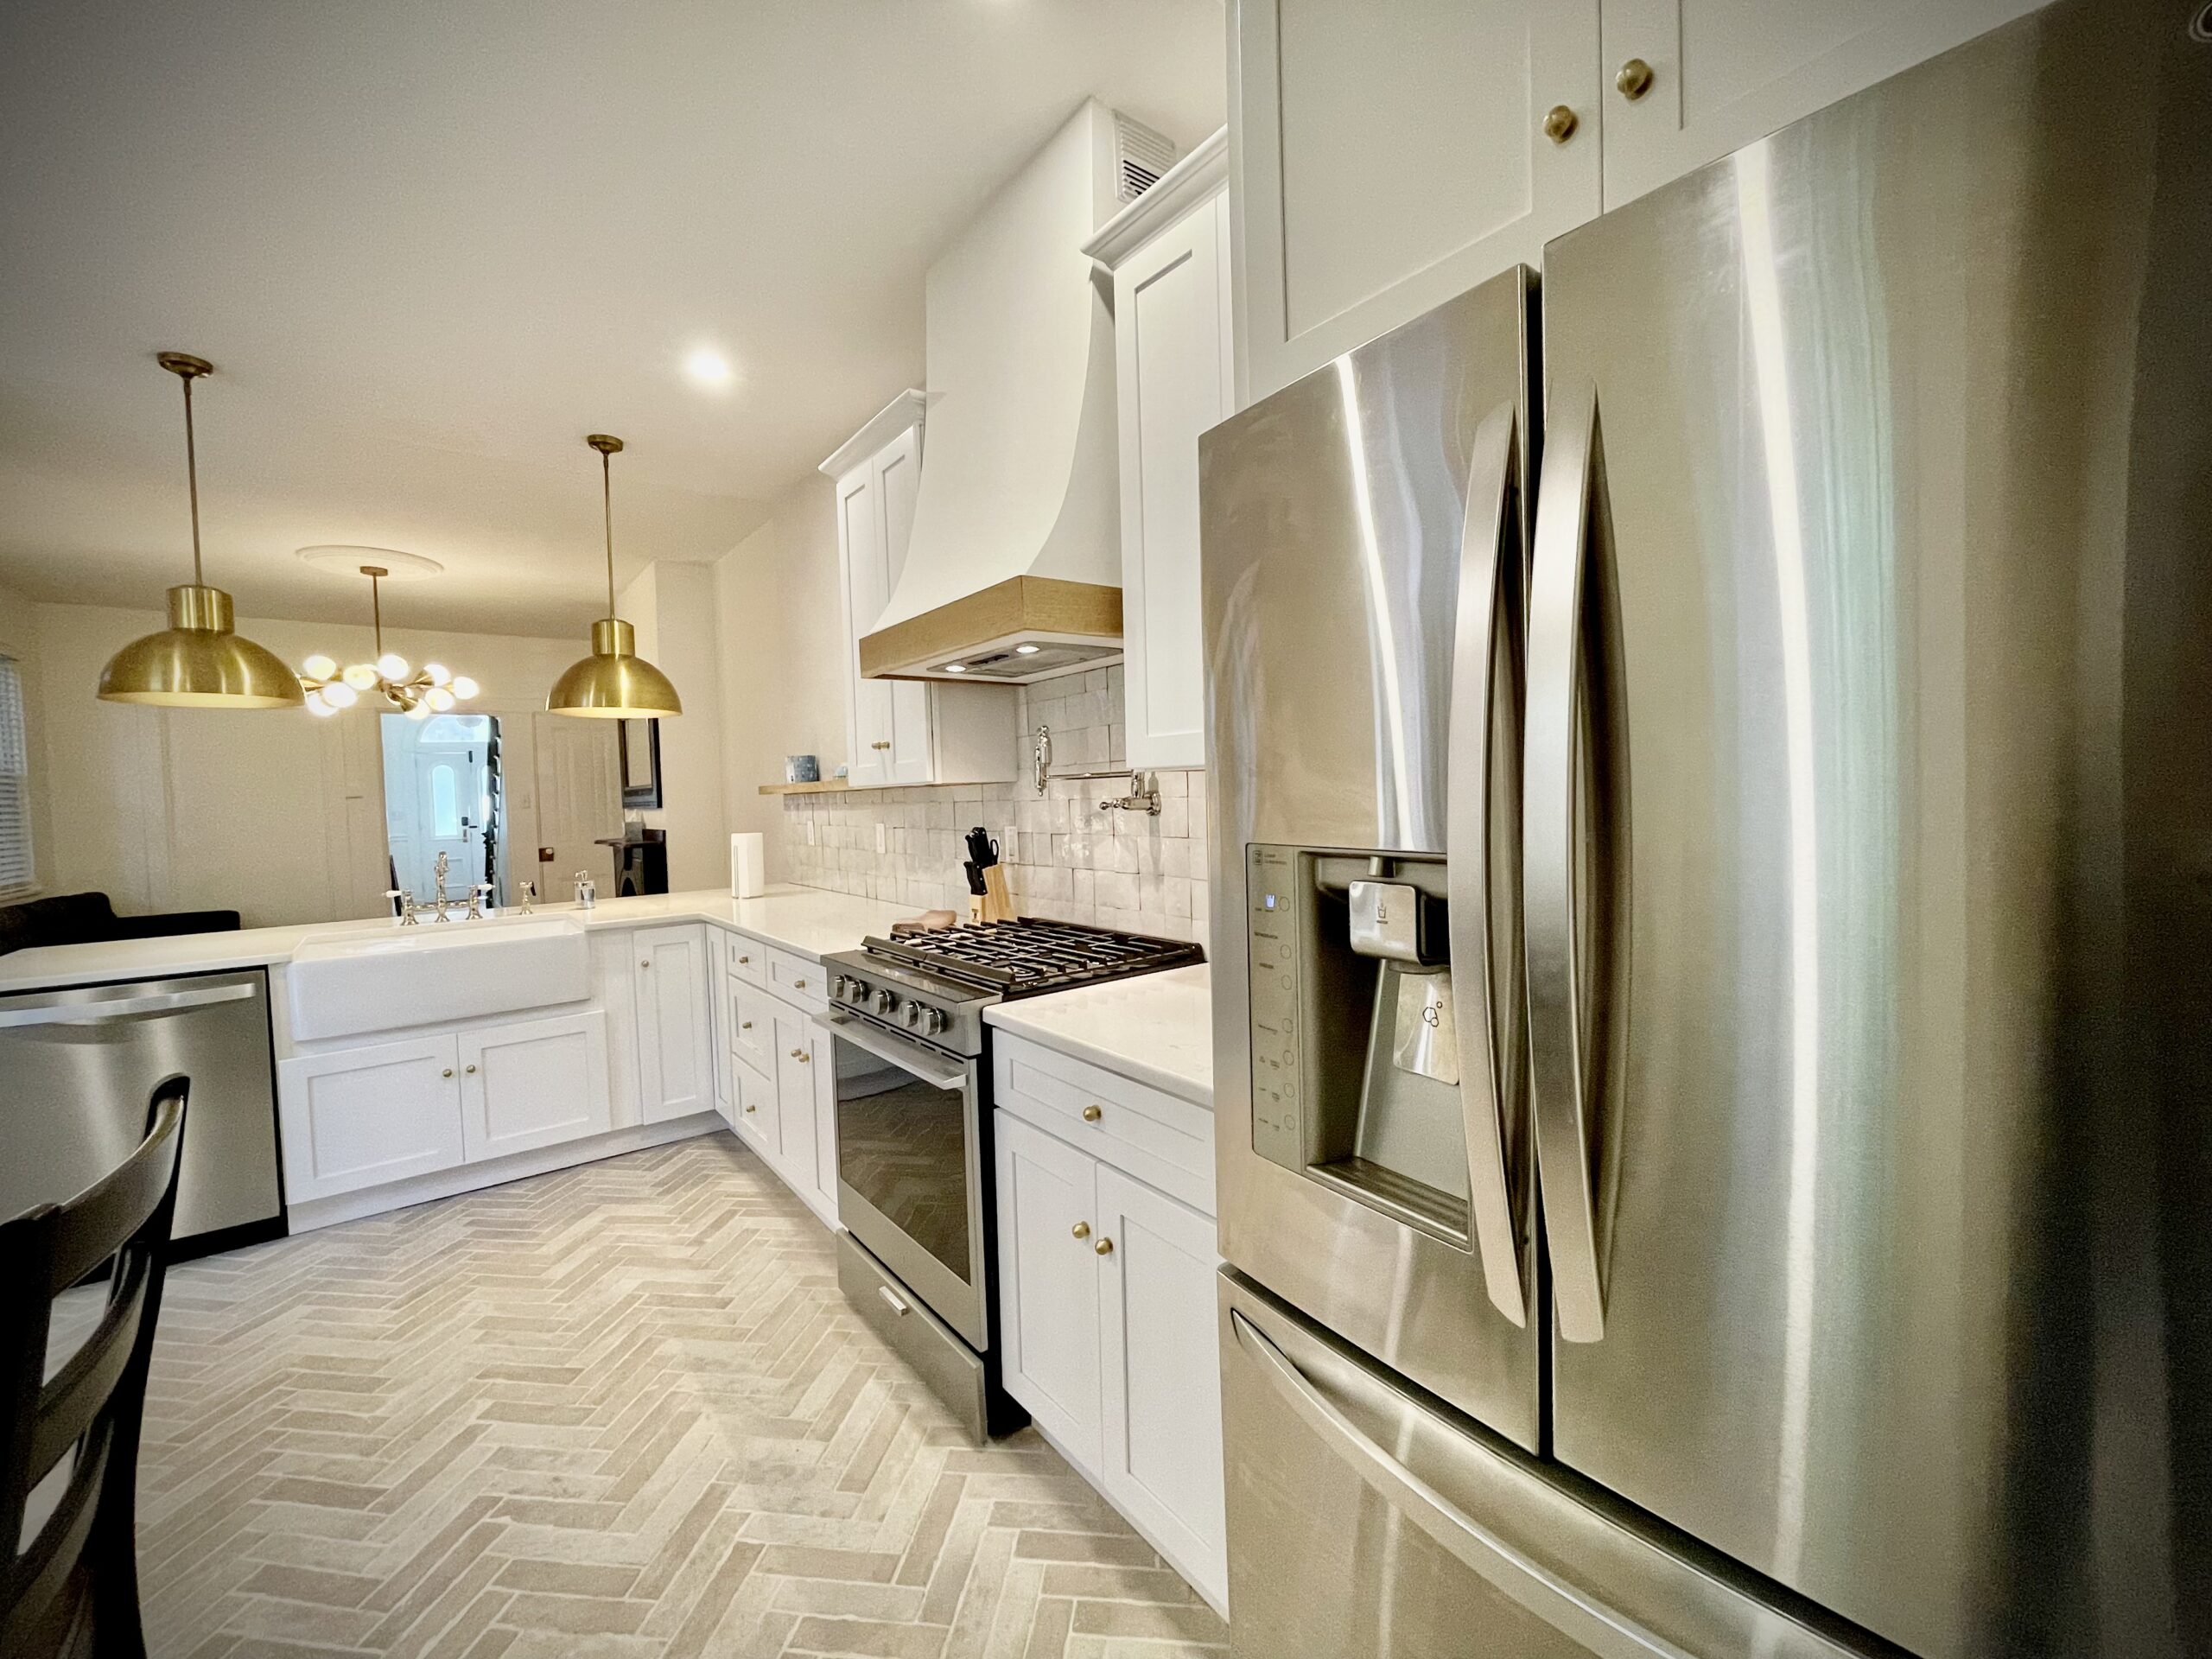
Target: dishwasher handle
x,y
153,1003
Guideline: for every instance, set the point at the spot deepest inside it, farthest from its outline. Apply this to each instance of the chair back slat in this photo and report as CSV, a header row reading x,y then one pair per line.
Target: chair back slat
x,y
80,1391
80,1564
107,1215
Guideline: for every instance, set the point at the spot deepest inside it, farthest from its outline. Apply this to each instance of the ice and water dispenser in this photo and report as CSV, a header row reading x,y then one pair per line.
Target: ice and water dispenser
x,y
1356,1053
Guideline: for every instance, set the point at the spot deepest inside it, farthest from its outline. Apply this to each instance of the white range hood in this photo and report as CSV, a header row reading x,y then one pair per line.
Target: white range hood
x,y
1013,568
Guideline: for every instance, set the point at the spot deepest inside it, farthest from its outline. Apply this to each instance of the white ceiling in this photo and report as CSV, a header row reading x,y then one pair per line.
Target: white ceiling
x,y
430,246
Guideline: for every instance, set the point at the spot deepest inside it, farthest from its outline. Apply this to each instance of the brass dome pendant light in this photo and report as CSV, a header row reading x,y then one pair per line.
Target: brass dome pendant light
x,y
197,662
613,682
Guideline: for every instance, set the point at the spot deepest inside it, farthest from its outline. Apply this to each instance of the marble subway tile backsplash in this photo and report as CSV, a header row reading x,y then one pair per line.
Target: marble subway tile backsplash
x,y
1066,858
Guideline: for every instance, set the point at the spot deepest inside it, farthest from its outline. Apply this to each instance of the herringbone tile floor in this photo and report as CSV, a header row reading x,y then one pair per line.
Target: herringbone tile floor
x,y
619,1410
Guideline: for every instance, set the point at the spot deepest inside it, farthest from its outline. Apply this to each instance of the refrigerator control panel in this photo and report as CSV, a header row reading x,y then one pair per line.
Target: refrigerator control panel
x,y
1272,887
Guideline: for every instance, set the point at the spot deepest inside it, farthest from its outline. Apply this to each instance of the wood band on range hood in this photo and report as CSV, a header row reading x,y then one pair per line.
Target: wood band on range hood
x,y
1018,608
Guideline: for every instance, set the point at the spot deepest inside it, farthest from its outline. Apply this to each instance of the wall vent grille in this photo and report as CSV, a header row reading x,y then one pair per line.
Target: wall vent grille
x,y
1140,156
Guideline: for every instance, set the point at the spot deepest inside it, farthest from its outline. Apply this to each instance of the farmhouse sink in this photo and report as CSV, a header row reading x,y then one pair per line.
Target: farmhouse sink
x,y
347,983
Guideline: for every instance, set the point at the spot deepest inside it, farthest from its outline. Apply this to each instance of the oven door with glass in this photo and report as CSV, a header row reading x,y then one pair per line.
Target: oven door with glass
x,y
911,1166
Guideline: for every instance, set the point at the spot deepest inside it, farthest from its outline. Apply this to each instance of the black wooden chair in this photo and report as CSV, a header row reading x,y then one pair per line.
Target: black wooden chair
x,y
69,1586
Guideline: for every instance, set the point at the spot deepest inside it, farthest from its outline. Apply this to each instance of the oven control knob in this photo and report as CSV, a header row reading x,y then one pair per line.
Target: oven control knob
x,y
856,989
933,1021
838,988
914,1015
885,1002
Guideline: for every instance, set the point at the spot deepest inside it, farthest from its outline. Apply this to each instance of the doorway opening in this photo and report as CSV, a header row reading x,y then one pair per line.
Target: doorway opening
x,y
442,794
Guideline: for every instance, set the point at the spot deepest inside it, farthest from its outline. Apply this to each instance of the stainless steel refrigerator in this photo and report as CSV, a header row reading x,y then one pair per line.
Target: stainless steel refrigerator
x,y
1712,754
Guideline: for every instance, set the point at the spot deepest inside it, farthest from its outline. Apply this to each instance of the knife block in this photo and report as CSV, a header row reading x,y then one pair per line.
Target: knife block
x,y
993,903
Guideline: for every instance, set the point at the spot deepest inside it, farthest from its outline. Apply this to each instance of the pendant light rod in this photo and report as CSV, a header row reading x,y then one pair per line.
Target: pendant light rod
x,y
374,573
188,368
608,447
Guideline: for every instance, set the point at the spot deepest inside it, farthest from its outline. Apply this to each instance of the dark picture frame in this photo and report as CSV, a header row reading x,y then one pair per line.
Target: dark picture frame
x,y
639,744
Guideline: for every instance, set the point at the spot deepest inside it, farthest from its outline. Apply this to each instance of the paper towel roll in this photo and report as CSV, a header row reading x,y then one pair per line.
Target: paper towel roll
x,y
748,864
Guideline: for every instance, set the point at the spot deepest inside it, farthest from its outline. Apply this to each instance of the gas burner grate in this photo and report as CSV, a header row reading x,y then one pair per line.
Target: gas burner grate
x,y
1026,958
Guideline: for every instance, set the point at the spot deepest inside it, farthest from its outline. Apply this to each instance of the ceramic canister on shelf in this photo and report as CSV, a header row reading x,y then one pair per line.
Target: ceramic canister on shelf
x,y
748,864
802,769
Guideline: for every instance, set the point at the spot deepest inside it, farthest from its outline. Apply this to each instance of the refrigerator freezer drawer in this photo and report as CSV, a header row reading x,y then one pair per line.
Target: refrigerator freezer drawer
x,y
1364,1520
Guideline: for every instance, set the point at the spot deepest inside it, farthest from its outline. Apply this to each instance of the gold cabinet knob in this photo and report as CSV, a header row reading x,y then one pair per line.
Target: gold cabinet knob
x,y
1104,1247
1092,1113
645,964
447,1072
751,1109
799,1054
799,984
1560,124
1082,1229
805,1058
741,961
470,1069
880,746
745,1024
1634,79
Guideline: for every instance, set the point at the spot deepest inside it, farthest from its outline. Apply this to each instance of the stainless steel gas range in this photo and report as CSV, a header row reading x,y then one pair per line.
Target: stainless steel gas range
x,y
914,1156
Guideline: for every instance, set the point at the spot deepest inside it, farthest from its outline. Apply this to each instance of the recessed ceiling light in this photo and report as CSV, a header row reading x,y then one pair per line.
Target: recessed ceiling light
x,y
1027,651
955,668
708,367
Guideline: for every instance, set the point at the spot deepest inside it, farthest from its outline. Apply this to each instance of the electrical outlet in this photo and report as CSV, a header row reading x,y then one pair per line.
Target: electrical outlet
x,y
1007,845
882,837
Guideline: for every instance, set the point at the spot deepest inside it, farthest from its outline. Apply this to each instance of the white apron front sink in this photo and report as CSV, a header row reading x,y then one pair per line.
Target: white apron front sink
x,y
434,974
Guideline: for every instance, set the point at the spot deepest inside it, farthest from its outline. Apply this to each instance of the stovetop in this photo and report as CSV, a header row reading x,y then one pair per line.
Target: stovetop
x,y
933,987
1027,957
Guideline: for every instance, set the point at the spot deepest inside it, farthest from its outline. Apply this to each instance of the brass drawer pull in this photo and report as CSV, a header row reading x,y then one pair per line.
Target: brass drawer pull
x,y
1105,1247
1092,1113
470,1069
1083,1230
447,1072
1560,124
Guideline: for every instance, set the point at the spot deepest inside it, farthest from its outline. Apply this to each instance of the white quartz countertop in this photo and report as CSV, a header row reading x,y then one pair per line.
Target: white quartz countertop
x,y
809,921
1155,1029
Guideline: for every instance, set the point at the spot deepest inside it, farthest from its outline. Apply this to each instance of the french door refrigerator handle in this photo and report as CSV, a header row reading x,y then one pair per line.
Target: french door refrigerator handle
x,y
1475,990
1564,500
1543,1591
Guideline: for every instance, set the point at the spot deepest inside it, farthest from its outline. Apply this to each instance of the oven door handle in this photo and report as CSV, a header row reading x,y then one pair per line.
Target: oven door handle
x,y
926,1064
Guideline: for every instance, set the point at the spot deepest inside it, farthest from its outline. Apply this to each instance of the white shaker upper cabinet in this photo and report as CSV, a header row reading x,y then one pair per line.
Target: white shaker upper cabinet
x,y
903,731
1174,377
1688,81
1385,158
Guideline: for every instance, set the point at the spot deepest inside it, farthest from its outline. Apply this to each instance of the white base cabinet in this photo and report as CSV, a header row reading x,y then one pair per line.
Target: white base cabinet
x,y
782,1067
676,1069
362,1116
533,1083
1106,1314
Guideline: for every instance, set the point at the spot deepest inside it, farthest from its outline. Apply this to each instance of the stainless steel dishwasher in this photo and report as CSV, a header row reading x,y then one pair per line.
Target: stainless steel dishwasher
x,y
78,1065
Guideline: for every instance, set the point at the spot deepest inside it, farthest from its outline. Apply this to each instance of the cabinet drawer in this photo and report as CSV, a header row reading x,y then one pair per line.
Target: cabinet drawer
x,y
796,980
752,1028
756,1110
747,959
1155,1137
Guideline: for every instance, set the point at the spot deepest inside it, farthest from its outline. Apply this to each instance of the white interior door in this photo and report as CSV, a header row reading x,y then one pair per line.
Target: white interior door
x,y
579,800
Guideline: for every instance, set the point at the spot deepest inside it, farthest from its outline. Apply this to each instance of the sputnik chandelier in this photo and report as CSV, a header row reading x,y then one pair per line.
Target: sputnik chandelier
x,y
418,693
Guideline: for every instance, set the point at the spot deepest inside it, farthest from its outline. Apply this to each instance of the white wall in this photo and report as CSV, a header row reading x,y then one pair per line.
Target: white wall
x,y
782,659
672,607
275,814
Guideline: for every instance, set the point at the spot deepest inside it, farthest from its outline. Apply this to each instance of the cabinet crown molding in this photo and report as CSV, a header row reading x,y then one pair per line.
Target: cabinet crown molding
x,y
905,411
1180,188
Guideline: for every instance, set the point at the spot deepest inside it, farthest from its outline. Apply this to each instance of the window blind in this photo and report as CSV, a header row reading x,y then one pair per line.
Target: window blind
x,y
15,785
